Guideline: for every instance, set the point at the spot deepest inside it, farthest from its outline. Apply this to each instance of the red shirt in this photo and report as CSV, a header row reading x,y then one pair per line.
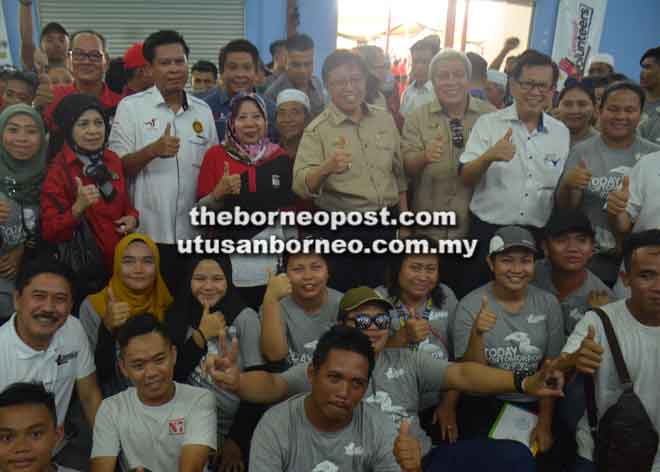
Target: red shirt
x,y
109,100
58,227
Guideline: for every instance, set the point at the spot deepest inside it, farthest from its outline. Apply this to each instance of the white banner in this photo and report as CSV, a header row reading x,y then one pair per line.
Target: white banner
x,y
5,53
577,35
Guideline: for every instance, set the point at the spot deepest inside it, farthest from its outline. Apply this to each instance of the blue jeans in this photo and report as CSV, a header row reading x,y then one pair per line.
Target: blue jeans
x,y
584,465
480,455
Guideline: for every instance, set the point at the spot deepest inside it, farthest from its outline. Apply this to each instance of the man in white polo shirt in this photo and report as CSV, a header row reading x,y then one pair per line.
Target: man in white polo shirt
x,y
162,135
42,343
514,158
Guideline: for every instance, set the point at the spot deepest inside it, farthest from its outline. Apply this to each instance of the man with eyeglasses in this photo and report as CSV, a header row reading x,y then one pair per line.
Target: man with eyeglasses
x,y
400,377
20,88
89,61
299,73
349,161
514,158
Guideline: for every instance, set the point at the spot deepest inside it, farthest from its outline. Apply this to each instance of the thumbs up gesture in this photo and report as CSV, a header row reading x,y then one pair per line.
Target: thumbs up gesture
x,y
228,184
116,313
278,286
617,201
44,94
211,323
436,148
340,161
503,150
167,145
407,449
86,196
417,328
579,177
590,354
486,318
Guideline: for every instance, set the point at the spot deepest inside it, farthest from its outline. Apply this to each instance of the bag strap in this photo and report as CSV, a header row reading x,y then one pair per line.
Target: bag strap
x,y
615,348
592,409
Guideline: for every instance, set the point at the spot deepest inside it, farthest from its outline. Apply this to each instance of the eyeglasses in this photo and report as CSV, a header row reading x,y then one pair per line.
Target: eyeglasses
x,y
456,128
527,86
448,75
92,56
343,83
363,321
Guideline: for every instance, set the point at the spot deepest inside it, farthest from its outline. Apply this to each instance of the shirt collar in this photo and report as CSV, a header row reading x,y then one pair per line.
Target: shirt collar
x,y
511,114
338,117
436,106
24,351
159,100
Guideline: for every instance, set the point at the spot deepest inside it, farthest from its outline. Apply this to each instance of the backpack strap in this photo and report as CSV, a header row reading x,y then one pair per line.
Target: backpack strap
x,y
622,370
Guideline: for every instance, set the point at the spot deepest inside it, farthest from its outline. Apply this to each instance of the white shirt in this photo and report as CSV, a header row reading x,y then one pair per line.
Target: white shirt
x,y
521,191
644,203
414,96
165,189
66,360
640,346
153,436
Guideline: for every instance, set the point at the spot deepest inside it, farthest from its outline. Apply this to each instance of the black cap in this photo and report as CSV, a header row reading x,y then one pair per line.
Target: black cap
x,y
53,27
565,219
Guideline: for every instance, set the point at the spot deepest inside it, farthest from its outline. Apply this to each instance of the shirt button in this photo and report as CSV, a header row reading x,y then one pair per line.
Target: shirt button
x,y
522,214
529,175
530,157
526,194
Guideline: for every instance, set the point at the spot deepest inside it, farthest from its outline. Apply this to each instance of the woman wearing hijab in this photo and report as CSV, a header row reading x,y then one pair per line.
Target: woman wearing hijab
x,y
248,171
207,305
22,169
85,179
136,287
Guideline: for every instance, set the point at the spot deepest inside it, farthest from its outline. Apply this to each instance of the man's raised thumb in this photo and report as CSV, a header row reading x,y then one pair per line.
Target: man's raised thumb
x,y
509,134
168,130
626,183
582,164
591,333
404,429
484,303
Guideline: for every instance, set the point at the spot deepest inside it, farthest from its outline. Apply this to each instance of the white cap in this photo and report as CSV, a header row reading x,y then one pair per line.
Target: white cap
x,y
601,57
497,77
293,95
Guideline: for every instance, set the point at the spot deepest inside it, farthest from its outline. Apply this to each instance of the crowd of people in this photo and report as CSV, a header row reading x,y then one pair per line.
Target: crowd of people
x,y
154,360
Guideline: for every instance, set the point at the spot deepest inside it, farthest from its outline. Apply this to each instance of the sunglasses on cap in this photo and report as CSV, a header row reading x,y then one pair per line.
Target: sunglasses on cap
x,y
363,321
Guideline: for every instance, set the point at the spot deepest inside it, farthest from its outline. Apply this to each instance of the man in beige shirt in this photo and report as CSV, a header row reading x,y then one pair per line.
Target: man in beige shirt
x,y
434,136
349,160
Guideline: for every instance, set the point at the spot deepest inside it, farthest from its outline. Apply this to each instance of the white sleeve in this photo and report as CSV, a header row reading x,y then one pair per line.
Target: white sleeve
x,y
85,360
123,138
478,142
201,424
106,442
636,190
580,332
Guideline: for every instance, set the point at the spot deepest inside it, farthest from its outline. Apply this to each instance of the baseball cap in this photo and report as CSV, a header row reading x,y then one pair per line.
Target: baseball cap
x,y
133,57
509,237
358,296
53,27
293,95
563,220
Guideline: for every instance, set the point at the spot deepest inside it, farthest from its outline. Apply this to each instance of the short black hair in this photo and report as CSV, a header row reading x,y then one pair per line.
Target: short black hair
x,y
479,66
299,42
345,338
576,85
431,43
29,393
636,241
205,66
160,38
275,45
626,85
139,326
104,43
616,77
43,265
29,78
116,77
534,58
653,53
238,45
340,57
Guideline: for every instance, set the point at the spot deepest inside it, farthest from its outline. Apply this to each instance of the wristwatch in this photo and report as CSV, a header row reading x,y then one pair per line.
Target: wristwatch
x,y
518,377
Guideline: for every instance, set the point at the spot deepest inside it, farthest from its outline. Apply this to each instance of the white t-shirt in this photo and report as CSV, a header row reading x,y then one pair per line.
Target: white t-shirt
x,y
153,436
644,204
66,360
165,189
640,346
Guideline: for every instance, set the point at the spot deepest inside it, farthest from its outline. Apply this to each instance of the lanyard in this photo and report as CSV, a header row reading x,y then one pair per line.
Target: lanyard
x,y
404,315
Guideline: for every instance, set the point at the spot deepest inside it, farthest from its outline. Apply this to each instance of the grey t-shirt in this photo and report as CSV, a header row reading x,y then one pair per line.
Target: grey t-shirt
x,y
248,332
438,344
21,223
285,440
649,127
575,305
303,330
153,436
590,134
608,167
399,380
518,341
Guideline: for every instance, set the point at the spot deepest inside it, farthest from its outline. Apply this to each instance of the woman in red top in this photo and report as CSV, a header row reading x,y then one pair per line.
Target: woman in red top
x,y
85,179
250,172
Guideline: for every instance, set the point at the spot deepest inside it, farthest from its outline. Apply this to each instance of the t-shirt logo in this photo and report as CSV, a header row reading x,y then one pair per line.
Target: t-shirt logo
x,y
64,358
533,319
325,466
524,343
177,426
353,450
438,315
393,373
